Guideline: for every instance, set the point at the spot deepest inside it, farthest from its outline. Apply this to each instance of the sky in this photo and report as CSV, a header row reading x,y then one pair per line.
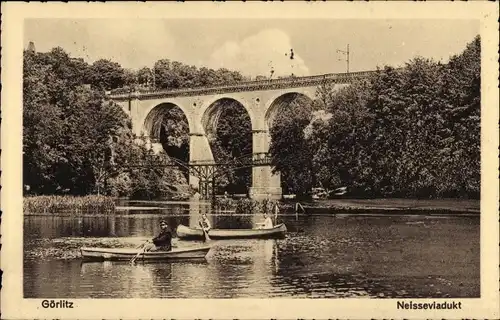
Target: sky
x,y
255,46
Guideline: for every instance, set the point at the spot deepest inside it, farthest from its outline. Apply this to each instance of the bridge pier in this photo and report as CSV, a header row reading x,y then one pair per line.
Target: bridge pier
x,y
199,150
265,184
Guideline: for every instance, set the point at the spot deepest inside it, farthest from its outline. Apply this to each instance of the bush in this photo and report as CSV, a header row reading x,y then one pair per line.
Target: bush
x,y
120,186
246,206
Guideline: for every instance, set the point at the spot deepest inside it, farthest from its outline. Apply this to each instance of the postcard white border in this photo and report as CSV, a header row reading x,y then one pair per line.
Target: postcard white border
x,y
13,306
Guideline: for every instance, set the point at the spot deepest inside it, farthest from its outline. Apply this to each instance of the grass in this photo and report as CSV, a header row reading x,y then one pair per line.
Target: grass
x,y
68,204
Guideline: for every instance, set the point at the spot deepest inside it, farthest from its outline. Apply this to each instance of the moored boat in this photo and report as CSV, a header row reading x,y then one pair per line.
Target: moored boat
x,y
185,233
129,253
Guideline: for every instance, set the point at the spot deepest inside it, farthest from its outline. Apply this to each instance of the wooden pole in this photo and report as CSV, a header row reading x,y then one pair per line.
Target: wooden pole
x,y
213,189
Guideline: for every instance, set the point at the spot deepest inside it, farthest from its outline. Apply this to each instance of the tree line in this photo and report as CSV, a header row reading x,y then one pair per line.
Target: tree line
x,y
412,131
75,141
406,132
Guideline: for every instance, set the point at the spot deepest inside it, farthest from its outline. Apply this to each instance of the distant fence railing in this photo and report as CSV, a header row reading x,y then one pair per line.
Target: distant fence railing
x,y
291,82
254,159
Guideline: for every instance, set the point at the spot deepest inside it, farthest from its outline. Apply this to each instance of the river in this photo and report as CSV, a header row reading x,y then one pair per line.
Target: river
x,y
322,256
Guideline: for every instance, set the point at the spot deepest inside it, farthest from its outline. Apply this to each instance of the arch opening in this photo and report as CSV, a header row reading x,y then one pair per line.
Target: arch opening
x,y
228,128
287,103
166,124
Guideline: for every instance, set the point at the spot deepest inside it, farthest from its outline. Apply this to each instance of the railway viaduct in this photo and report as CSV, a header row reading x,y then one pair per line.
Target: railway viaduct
x,y
202,107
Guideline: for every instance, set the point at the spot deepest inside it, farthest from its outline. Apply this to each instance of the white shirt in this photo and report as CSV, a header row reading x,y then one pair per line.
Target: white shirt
x,y
268,223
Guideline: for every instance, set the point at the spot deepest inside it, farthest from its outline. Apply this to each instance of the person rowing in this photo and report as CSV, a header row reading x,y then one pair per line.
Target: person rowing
x,y
205,223
205,226
267,224
163,242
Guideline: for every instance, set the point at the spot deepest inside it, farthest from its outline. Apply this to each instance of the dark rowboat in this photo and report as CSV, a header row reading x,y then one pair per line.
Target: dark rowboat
x,y
129,253
185,233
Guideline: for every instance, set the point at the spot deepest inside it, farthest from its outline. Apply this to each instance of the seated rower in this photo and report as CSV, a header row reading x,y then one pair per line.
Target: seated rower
x,y
267,224
163,242
205,223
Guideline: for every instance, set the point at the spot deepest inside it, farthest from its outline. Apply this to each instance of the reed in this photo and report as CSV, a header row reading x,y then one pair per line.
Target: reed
x,y
91,204
246,206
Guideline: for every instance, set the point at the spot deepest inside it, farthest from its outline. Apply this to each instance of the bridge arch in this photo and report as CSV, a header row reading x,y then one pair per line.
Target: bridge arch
x,y
155,115
227,124
215,107
280,101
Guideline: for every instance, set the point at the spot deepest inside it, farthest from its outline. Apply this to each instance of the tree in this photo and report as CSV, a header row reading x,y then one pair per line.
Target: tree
x,y
40,123
340,137
106,75
290,152
145,76
164,75
405,132
460,145
228,145
74,141
174,134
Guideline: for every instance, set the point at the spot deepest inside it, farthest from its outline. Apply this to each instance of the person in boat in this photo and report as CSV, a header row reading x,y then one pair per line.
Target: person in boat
x,y
205,223
267,224
163,242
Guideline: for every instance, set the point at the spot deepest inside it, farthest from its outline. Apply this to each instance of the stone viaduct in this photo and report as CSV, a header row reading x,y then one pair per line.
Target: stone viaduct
x,y
202,107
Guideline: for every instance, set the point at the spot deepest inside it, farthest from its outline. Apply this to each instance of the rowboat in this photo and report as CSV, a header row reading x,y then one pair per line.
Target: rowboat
x,y
184,232
129,253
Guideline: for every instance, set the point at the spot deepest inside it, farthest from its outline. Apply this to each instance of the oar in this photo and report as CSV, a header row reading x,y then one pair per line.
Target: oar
x,y
142,249
276,210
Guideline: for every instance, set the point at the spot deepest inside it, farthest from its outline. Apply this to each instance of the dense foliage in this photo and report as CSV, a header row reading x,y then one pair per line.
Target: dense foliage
x,y
412,132
74,141
174,75
228,145
291,153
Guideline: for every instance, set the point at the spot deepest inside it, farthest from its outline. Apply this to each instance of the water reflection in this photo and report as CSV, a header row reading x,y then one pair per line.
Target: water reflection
x,y
321,256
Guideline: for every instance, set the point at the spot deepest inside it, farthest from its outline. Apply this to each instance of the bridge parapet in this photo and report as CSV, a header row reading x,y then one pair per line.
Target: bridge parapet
x,y
292,82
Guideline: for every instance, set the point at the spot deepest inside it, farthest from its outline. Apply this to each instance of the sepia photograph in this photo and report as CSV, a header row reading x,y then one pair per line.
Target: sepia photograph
x,y
300,158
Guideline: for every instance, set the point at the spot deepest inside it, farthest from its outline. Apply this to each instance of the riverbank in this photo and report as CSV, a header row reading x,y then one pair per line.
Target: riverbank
x,y
393,206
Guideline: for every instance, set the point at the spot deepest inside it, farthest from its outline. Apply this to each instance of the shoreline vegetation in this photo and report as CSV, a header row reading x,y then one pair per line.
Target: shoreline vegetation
x,y
69,204
94,204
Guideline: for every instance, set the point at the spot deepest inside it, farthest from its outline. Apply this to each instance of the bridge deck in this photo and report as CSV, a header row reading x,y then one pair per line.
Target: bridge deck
x,y
291,82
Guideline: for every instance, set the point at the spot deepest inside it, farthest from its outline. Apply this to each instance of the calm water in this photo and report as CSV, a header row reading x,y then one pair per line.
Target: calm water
x,y
321,256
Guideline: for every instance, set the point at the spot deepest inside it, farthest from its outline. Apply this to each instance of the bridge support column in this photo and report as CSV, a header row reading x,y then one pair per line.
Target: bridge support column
x,y
199,150
265,184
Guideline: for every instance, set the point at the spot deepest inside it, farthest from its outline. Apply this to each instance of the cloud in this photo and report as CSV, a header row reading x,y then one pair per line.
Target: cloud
x,y
259,54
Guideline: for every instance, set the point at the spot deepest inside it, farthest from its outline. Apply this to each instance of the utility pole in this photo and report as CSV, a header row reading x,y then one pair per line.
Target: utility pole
x,y
346,53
